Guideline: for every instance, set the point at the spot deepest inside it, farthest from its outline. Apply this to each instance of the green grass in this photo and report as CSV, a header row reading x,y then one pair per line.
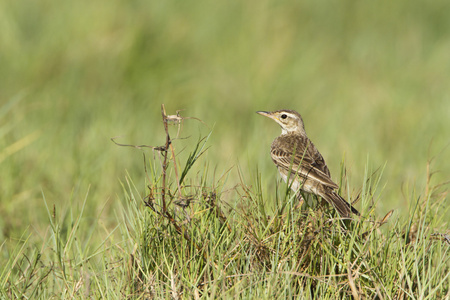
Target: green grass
x,y
369,78
207,241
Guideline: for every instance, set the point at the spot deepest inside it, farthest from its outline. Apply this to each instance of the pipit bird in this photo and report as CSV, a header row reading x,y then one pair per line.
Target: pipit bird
x,y
296,156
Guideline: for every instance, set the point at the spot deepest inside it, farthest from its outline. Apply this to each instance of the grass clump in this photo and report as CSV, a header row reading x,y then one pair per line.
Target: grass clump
x,y
195,239
188,234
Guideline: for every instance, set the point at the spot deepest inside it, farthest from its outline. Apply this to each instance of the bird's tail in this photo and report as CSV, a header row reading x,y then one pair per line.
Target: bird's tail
x,y
344,208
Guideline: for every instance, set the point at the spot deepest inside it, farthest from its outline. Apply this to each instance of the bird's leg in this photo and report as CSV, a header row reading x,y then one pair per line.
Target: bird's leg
x,y
323,204
300,199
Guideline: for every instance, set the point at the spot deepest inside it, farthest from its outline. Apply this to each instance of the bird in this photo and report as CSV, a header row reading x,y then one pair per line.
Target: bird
x,y
296,157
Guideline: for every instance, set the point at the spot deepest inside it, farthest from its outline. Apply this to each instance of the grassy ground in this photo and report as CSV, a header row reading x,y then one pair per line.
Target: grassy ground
x,y
369,78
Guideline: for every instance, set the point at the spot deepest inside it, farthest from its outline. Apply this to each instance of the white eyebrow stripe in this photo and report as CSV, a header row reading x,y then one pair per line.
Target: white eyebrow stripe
x,y
289,114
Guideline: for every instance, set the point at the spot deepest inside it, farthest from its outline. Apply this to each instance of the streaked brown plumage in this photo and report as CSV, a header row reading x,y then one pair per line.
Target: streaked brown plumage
x,y
296,156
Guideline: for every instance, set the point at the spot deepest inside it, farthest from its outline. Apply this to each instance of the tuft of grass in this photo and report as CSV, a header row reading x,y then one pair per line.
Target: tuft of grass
x,y
233,243
207,240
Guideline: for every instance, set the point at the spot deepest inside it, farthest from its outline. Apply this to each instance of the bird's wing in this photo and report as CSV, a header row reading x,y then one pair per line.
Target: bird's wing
x,y
319,162
302,157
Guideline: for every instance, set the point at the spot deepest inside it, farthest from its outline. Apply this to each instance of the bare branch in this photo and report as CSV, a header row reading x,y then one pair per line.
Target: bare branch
x,y
158,148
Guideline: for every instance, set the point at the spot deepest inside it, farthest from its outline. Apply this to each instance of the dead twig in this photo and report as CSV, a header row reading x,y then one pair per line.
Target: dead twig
x,y
179,229
166,120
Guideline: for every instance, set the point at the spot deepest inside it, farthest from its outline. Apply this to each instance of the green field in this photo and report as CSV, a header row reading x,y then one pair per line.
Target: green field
x,y
370,78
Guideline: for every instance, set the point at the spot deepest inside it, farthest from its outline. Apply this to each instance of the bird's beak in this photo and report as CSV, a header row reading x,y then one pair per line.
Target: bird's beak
x,y
267,114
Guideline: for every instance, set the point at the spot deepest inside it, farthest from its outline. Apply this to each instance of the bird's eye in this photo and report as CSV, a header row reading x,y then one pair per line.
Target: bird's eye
x,y
283,116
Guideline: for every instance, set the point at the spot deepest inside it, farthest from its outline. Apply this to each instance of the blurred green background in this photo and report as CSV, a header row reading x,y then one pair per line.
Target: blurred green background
x,y
370,78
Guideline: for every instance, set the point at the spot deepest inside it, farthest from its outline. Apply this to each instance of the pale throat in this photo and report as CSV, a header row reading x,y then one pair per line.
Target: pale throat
x,y
290,130
284,131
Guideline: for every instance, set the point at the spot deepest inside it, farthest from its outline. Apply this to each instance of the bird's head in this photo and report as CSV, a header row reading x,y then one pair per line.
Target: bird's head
x,y
289,120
